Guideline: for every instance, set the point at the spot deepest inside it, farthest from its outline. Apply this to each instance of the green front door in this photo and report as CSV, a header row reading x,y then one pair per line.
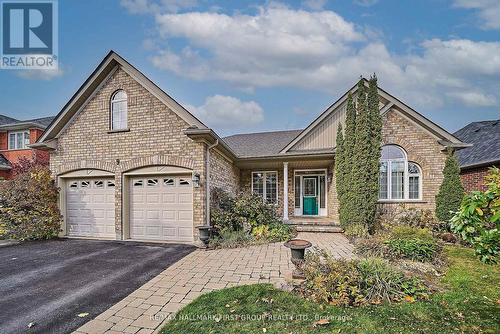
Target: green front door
x,y
310,196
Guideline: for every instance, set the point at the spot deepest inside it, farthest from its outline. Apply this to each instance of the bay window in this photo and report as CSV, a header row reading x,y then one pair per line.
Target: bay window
x,y
399,178
265,184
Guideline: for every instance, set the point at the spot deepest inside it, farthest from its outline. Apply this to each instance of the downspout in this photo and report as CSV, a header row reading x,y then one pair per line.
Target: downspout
x,y
207,182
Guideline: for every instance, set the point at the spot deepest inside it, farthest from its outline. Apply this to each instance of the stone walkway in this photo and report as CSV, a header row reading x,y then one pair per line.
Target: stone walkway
x,y
144,310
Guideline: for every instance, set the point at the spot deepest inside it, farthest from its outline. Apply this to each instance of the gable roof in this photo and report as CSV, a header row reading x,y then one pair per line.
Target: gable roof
x,y
261,144
485,137
9,123
445,138
84,94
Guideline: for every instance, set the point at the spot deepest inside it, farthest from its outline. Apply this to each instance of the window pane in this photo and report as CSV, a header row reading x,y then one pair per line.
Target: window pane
x,y
413,168
20,140
414,185
12,141
322,193
271,188
383,180
26,139
119,115
297,191
397,179
258,184
392,152
310,187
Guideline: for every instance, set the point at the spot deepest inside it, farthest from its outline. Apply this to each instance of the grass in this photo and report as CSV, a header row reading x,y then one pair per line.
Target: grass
x,y
469,304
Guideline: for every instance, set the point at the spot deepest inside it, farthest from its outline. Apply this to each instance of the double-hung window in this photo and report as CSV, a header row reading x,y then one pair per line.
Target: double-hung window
x,y
399,178
19,140
265,184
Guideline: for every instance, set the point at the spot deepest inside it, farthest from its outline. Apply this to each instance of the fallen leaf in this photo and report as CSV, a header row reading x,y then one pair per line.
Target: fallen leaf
x,y
321,322
31,324
227,305
232,311
82,315
498,302
264,330
409,299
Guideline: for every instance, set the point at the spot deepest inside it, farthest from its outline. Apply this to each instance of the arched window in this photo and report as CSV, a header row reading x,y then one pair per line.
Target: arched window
x,y
119,110
399,179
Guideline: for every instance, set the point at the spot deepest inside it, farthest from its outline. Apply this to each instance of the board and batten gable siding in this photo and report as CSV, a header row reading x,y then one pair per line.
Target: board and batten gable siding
x,y
324,135
156,137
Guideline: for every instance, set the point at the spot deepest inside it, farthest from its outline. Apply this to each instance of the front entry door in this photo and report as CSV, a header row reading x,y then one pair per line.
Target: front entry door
x,y
310,196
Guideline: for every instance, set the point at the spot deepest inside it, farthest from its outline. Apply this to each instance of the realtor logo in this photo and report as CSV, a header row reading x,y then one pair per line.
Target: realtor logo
x,y
29,34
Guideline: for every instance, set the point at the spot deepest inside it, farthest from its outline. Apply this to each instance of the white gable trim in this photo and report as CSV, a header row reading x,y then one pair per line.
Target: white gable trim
x,y
135,74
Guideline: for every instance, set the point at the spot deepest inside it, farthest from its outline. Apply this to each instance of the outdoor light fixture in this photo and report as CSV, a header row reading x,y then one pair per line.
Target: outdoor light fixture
x,y
196,180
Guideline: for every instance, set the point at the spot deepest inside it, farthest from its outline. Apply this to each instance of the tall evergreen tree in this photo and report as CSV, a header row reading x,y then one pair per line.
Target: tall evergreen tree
x,y
451,191
360,166
345,205
372,182
340,172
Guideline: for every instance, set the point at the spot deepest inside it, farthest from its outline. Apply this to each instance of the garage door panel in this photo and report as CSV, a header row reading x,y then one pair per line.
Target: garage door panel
x,y
90,208
161,209
168,198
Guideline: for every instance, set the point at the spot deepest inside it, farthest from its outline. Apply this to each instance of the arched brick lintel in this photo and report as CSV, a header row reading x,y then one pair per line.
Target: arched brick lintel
x,y
85,164
157,160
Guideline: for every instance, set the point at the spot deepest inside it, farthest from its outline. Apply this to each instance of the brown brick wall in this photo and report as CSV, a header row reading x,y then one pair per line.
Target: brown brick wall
x,y
473,179
223,173
155,138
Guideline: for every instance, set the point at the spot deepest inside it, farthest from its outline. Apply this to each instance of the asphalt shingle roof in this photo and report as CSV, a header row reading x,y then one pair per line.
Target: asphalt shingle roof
x,y
485,138
260,144
7,120
43,121
4,162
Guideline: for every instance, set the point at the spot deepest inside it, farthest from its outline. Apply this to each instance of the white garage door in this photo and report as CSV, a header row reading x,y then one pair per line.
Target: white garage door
x,y
161,208
90,207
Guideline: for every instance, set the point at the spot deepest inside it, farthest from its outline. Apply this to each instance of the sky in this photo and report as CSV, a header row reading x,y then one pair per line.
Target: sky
x,y
247,66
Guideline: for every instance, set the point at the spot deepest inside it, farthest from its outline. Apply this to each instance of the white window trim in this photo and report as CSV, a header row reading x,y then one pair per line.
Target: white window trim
x,y
264,190
406,190
15,140
113,101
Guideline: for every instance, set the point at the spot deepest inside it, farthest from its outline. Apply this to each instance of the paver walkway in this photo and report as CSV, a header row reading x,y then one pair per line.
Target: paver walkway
x,y
144,310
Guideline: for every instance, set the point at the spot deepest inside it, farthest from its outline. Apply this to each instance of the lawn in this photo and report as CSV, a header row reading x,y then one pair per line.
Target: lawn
x,y
470,303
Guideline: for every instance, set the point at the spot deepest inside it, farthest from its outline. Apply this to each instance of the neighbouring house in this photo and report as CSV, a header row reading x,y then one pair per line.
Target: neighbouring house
x,y
132,163
485,153
15,136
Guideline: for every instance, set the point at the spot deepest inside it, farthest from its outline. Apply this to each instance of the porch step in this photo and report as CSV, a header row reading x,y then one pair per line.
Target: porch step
x,y
319,228
322,226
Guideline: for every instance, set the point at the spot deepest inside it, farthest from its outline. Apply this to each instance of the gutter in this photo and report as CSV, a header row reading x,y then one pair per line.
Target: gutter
x,y
207,182
485,163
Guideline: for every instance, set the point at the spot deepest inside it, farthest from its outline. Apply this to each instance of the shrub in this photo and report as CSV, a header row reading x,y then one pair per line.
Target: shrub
x,y
412,243
478,220
274,232
451,191
357,282
332,281
231,239
28,205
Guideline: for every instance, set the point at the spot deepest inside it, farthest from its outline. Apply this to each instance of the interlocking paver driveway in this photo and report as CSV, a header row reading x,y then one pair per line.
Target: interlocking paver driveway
x,y
202,271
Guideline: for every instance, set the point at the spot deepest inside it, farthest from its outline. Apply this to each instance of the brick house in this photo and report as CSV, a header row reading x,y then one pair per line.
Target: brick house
x,y
15,136
132,163
485,153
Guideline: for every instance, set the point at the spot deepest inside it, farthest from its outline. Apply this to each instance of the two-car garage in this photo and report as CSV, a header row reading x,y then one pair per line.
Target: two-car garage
x,y
155,207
